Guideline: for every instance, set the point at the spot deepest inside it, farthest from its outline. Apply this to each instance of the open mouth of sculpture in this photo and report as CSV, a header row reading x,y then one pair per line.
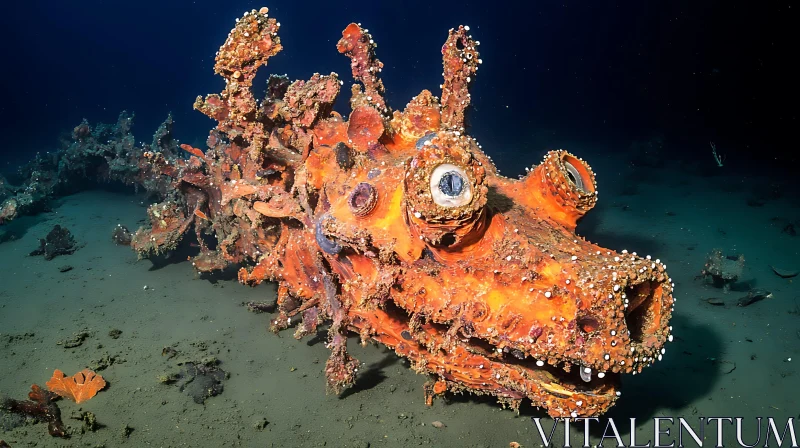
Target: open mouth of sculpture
x,y
563,384
477,364
505,375
643,318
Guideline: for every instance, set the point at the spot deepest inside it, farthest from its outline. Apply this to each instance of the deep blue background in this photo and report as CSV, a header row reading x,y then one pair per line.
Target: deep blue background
x,y
589,75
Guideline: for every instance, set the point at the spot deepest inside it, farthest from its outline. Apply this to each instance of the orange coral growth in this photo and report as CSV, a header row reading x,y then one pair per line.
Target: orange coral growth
x,y
193,151
200,214
79,387
279,207
365,128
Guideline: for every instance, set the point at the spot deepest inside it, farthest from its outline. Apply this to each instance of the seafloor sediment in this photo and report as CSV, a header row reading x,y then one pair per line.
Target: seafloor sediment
x,y
280,380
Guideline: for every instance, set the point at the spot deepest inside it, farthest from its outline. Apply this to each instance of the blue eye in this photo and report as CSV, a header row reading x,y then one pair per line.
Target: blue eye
x,y
451,184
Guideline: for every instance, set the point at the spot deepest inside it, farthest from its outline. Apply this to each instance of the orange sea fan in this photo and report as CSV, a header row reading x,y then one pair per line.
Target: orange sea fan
x,y
79,387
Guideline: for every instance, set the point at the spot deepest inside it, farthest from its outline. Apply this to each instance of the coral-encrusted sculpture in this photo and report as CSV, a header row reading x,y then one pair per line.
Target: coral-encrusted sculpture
x,y
396,225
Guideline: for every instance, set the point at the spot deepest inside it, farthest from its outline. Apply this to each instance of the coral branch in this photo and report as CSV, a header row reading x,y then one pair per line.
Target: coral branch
x,y
357,44
248,46
460,60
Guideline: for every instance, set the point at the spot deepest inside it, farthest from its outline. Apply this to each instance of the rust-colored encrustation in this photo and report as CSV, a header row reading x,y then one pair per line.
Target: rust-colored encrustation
x,y
395,225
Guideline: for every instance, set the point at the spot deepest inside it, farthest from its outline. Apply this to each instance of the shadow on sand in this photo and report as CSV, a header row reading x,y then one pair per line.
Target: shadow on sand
x,y
19,227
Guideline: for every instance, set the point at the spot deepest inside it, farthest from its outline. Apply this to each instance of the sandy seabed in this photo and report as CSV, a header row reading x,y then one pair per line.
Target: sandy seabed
x,y
725,361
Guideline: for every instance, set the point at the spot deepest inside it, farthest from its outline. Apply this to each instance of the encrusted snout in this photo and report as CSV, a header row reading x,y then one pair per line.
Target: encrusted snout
x,y
621,323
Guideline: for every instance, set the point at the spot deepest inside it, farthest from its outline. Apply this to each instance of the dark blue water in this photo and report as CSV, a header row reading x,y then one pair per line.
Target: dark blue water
x,y
554,73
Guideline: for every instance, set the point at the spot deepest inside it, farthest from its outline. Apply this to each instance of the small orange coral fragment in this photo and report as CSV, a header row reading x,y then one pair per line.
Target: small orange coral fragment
x,y
365,127
193,151
79,387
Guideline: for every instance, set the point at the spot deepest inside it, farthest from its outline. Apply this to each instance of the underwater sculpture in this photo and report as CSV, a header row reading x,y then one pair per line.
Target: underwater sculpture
x,y
396,225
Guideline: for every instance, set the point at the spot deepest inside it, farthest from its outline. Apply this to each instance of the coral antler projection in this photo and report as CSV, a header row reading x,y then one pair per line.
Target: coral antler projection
x,y
357,44
397,226
461,61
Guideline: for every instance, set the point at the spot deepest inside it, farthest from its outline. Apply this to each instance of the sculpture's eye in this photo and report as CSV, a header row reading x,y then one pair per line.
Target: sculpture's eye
x,y
575,177
450,186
